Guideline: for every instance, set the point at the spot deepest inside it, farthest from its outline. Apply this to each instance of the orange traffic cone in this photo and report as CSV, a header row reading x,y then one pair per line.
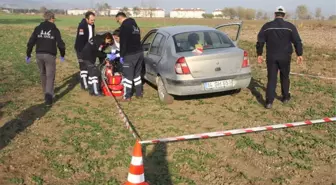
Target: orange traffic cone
x,y
136,175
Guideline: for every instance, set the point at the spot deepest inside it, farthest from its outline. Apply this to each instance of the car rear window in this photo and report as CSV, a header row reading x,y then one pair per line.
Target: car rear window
x,y
189,41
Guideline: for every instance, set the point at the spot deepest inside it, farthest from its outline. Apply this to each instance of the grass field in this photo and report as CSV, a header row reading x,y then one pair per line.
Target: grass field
x,y
82,140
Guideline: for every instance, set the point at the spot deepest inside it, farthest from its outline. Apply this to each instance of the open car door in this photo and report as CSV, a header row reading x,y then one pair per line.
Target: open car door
x,y
232,30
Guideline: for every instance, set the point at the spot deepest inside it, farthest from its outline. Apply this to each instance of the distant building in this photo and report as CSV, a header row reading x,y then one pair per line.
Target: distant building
x,y
104,12
114,11
78,11
187,13
6,11
148,12
141,12
219,14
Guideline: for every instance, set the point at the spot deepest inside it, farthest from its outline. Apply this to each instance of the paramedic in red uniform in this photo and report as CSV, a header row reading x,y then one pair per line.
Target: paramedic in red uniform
x,y
279,35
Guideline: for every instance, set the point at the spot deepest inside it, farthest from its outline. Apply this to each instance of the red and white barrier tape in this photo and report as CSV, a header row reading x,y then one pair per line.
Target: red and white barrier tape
x,y
237,131
122,114
126,121
313,76
308,75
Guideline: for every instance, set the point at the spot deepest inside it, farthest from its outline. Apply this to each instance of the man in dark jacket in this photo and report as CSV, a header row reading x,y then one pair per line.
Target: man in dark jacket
x,y
131,55
278,36
93,49
85,31
45,37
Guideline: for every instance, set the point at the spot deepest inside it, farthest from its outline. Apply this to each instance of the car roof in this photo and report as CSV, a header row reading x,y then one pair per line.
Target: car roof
x,y
172,30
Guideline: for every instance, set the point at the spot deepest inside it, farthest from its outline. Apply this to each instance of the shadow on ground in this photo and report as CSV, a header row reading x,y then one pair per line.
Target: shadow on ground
x,y
156,165
253,87
27,117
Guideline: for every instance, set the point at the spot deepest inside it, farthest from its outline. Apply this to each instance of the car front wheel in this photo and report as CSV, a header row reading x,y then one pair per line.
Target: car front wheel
x,y
162,92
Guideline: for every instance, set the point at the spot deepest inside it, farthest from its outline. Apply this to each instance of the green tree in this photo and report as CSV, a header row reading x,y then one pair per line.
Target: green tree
x,y
241,12
229,12
43,9
318,13
259,14
136,11
302,12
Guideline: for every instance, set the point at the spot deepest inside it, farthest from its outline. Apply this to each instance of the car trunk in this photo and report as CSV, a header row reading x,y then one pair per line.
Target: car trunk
x,y
214,62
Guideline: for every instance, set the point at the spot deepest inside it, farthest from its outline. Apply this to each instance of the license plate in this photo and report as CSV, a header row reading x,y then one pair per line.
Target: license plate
x,y
218,84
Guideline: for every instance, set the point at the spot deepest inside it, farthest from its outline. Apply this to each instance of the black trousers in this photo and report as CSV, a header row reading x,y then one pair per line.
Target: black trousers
x,y
132,69
273,66
83,72
93,77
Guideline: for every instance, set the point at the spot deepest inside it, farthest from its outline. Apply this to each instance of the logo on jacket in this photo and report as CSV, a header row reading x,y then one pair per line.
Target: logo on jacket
x,y
135,30
81,32
45,35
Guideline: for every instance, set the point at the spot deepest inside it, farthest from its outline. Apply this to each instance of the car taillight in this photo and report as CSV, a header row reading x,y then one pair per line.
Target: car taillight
x,y
181,66
246,62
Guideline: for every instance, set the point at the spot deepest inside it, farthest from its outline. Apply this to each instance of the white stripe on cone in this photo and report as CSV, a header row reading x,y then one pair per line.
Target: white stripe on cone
x,y
136,161
136,179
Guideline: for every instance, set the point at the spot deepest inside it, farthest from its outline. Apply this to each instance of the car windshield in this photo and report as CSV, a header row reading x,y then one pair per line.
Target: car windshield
x,y
189,41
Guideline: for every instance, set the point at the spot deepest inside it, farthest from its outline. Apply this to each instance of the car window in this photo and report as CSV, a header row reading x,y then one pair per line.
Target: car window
x,y
149,39
157,44
205,40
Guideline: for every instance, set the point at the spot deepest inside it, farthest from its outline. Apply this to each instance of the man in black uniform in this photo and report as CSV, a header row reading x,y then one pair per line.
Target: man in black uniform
x,y
278,36
93,49
131,55
85,31
45,37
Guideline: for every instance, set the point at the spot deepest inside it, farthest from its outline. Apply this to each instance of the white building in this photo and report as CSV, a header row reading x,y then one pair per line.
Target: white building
x,y
187,13
77,11
219,14
141,12
114,11
104,12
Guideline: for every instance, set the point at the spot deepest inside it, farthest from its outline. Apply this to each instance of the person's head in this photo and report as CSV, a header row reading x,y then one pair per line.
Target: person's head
x,y
108,39
193,39
120,17
90,17
280,12
115,35
49,16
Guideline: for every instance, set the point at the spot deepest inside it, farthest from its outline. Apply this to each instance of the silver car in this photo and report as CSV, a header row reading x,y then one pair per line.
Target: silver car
x,y
191,60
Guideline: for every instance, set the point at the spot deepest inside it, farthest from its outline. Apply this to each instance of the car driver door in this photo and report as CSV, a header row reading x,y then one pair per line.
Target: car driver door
x,y
232,30
153,56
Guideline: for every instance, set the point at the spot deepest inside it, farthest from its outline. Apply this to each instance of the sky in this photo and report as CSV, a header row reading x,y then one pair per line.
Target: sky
x,y
328,6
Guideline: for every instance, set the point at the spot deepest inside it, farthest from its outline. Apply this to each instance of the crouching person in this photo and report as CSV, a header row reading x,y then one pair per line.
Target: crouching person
x,y
92,50
115,52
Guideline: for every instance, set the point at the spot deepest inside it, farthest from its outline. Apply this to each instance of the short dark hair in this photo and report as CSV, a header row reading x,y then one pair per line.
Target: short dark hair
x,y
107,35
116,32
88,13
280,14
122,14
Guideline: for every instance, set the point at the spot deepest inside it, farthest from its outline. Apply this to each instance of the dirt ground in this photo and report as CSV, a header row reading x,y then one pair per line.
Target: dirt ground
x,y
82,139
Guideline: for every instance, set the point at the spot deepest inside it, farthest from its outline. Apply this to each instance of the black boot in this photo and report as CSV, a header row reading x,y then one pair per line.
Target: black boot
x,y
48,98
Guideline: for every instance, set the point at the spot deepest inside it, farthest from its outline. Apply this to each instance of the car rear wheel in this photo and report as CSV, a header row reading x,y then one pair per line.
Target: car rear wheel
x,y
162,92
